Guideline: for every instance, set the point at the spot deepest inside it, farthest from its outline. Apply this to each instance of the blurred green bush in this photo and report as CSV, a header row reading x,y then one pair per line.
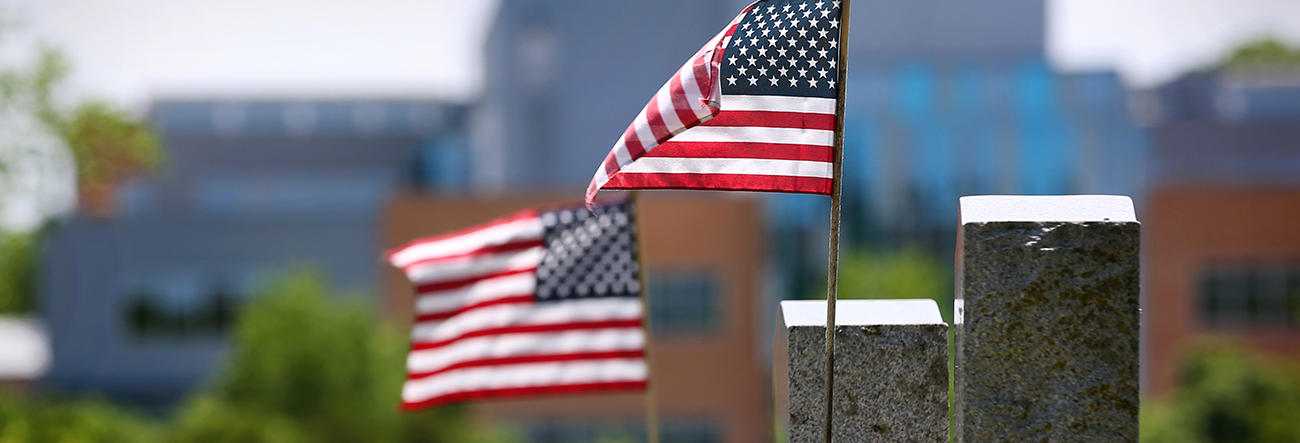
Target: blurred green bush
x,y
1227,394
26,420
310,366
18,261
905,274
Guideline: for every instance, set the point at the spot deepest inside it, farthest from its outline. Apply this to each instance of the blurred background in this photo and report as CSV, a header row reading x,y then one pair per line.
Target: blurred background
x,y
194,197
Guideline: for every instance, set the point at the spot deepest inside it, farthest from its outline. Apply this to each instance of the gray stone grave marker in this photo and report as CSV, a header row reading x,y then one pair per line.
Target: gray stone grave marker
x,y
891,371
1047,320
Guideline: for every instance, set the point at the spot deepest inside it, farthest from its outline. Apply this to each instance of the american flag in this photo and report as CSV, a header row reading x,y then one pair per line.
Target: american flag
x,y
753,110
537,303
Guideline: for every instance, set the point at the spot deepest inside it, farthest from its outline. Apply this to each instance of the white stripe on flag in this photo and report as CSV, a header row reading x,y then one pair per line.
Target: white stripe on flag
x,y
666,110
691,90
740,166
527,344
543,313
778,103
602,176
518,230
757,134
643,132
478,292
621,154
475,266
524,376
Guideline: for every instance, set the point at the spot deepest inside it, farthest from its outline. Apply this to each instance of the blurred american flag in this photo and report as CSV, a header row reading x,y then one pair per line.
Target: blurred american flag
x,y
537,303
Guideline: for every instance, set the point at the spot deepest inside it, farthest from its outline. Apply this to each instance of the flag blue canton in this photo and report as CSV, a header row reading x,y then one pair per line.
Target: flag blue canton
x,y
784,47
589,254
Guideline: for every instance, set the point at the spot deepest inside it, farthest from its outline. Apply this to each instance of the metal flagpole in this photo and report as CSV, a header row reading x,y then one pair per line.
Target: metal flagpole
x,y
833,266
651,406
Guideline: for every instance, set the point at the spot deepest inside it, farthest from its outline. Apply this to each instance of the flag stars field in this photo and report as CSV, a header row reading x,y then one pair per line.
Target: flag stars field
x,y
818,19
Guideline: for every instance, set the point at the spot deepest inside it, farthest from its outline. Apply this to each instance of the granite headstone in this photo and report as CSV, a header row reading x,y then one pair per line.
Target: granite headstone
x,y
1046,320
891,371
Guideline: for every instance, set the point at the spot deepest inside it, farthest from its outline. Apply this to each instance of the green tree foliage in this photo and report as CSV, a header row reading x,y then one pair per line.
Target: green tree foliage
x,y
329,366
906,274
83,421
311,366
106,142
1227,395
1264,53
17,273
108,145
208,420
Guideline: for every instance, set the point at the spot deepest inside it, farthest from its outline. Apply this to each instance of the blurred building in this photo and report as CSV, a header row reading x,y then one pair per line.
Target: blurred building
x,y
947,99
708,357
564,79
138,304
944,99
1221,244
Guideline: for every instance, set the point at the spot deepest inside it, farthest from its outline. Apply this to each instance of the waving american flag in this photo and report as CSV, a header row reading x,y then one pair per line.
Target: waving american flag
x,y
753,110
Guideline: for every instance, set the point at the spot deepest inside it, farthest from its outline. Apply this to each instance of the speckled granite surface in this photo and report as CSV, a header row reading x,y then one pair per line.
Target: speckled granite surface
x,y
1047,332
891,383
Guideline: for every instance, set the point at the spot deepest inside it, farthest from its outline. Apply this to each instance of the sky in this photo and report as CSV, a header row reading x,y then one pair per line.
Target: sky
x,y
1150,42
132,51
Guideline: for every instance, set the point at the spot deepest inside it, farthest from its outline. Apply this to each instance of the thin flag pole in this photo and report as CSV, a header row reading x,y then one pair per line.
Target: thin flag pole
x,y
651,400
833,264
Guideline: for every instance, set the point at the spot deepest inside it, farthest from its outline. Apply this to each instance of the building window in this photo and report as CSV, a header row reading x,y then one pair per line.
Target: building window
x,y
1251,294
229,192
684,302
147,314
538,48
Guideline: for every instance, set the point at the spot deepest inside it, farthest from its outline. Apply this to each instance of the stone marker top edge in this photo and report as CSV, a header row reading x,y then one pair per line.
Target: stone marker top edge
x,y
861,312
1047,208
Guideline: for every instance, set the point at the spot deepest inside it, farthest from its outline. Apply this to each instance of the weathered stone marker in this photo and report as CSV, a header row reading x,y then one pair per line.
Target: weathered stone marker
x,y
1047,320
891,371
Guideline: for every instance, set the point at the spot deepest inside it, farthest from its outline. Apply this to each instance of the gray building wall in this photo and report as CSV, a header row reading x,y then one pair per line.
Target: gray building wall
x,y
564,79
1234,128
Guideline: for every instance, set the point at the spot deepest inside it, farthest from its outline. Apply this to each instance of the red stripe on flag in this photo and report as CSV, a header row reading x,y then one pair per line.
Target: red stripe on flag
x,y
443,315
722,182
656,122
554,327
453,284
611,164
633,142
681,106
772,151
774,119
547,358
525,392
507,247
